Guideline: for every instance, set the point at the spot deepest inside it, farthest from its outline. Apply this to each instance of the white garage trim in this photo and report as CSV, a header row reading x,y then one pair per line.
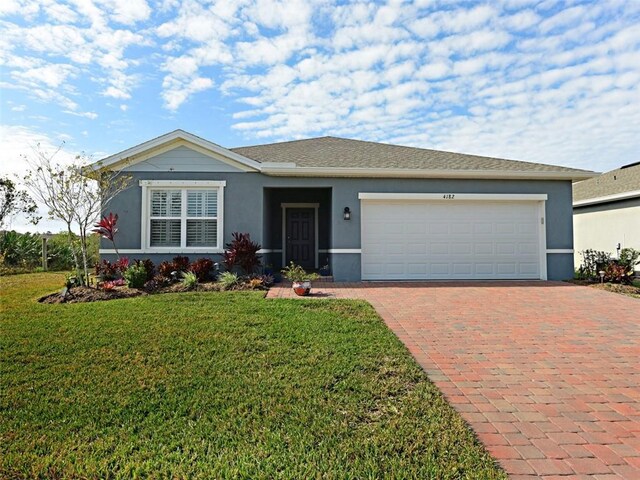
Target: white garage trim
x,y
448,196
469,269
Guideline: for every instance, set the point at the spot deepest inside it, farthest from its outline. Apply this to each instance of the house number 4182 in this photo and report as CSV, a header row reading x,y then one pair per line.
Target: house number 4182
x,y
448,196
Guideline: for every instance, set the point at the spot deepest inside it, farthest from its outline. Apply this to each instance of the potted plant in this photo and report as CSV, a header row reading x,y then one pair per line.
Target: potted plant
x,y
300,279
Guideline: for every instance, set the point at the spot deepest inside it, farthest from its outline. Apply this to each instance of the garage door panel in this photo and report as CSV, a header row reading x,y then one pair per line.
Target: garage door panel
x,y
462,268
417,249
438,228
420,269
438,269
460,228
528,268
458,240
483,228
438,248
528,248
506,268
504,228
503,248
484,269
483,248
461,248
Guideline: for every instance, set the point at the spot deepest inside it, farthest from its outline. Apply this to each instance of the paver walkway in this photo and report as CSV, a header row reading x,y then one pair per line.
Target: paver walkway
x,y
546,373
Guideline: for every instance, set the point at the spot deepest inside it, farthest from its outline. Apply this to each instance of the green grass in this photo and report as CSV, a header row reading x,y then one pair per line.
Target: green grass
x,y
217,385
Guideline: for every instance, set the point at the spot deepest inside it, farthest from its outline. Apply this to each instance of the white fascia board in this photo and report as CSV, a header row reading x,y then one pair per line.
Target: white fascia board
x,y
607,198
274,170
138,150
452,196
183,183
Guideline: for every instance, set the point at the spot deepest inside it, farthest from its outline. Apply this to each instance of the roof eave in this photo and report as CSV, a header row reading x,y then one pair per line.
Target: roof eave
x,y
607,198
421,173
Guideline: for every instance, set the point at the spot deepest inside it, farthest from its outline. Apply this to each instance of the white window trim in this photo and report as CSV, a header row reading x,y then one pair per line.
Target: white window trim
x,y
183,185
284,207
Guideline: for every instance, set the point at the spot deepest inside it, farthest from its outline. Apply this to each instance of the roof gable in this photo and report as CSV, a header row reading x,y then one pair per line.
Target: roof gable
x,y
170,141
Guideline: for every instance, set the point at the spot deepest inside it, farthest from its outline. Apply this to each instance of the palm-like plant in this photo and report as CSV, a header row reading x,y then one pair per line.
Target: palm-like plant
x,y
106,228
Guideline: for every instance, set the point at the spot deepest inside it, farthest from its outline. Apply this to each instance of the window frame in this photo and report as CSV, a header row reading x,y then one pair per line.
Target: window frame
x,y
184,186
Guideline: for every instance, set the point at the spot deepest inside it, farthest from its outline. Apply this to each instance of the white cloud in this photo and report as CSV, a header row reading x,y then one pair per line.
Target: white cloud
x,y
517,78
17,142
177,92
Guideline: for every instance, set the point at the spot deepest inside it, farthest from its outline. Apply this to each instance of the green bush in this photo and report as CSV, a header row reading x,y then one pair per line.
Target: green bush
x,y
189,280
20,250
629,258
593,261
136,275
228,280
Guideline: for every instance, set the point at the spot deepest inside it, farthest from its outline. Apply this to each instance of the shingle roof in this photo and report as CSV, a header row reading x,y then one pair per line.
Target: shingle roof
x,y
625,179
333,152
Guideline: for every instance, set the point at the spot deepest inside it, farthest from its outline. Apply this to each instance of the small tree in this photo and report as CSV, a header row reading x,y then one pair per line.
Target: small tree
x,y
74,194
14,201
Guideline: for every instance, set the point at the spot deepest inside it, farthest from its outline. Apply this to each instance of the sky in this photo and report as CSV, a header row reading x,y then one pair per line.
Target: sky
x,y
545,81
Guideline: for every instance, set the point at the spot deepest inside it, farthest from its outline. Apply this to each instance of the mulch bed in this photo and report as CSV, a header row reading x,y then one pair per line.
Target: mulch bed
x,y
628,290
88,294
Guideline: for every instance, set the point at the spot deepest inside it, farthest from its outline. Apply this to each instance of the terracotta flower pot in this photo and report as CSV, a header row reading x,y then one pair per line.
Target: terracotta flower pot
x,y
302,288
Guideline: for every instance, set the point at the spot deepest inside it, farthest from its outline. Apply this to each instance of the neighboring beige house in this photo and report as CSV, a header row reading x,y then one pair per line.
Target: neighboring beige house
x,y
606,211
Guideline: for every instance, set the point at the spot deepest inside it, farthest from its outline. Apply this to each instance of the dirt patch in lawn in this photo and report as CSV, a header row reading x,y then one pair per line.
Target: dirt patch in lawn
x,y
629,290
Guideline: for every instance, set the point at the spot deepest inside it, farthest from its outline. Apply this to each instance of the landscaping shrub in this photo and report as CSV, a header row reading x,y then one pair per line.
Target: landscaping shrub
x,y
202,268
181,264
615,273
615,270
228,280
629,258
60,253
148,266
110,285
106,270
136,275
22,250
165,269
242,252
110,271
594,261
189,280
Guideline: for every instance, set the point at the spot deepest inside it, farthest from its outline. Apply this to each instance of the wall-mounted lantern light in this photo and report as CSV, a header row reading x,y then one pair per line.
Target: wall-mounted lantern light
x,y
347,213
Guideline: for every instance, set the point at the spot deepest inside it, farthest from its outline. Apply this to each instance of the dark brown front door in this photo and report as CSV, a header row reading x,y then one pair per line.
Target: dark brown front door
x,y
301,237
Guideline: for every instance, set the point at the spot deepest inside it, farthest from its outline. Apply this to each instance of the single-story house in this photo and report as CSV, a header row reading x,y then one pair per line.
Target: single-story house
x,y
606,212
370,211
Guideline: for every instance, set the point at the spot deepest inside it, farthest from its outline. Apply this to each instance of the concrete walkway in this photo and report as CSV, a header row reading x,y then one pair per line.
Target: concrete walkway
x,y
546,373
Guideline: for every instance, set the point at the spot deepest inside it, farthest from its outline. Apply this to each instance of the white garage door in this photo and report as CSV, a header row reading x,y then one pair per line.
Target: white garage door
x,y
451,239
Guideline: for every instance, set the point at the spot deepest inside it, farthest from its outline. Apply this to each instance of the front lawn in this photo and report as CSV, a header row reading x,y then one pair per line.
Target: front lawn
x,y
217,385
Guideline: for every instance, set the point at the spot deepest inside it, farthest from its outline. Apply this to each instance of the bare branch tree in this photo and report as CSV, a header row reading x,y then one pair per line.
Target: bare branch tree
x,y
74,194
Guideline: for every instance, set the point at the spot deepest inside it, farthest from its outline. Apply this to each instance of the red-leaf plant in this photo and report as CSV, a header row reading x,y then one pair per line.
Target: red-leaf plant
x,y
243,252
106,228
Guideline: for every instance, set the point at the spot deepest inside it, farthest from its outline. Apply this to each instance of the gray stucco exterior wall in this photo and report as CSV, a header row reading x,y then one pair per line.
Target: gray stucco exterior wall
x,y
245,211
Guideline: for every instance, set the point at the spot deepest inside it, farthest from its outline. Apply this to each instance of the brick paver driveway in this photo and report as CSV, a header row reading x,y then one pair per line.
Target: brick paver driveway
x,y
546,373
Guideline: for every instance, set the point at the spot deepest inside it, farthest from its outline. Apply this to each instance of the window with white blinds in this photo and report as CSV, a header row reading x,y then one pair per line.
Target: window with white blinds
x,y
184,218
202,220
